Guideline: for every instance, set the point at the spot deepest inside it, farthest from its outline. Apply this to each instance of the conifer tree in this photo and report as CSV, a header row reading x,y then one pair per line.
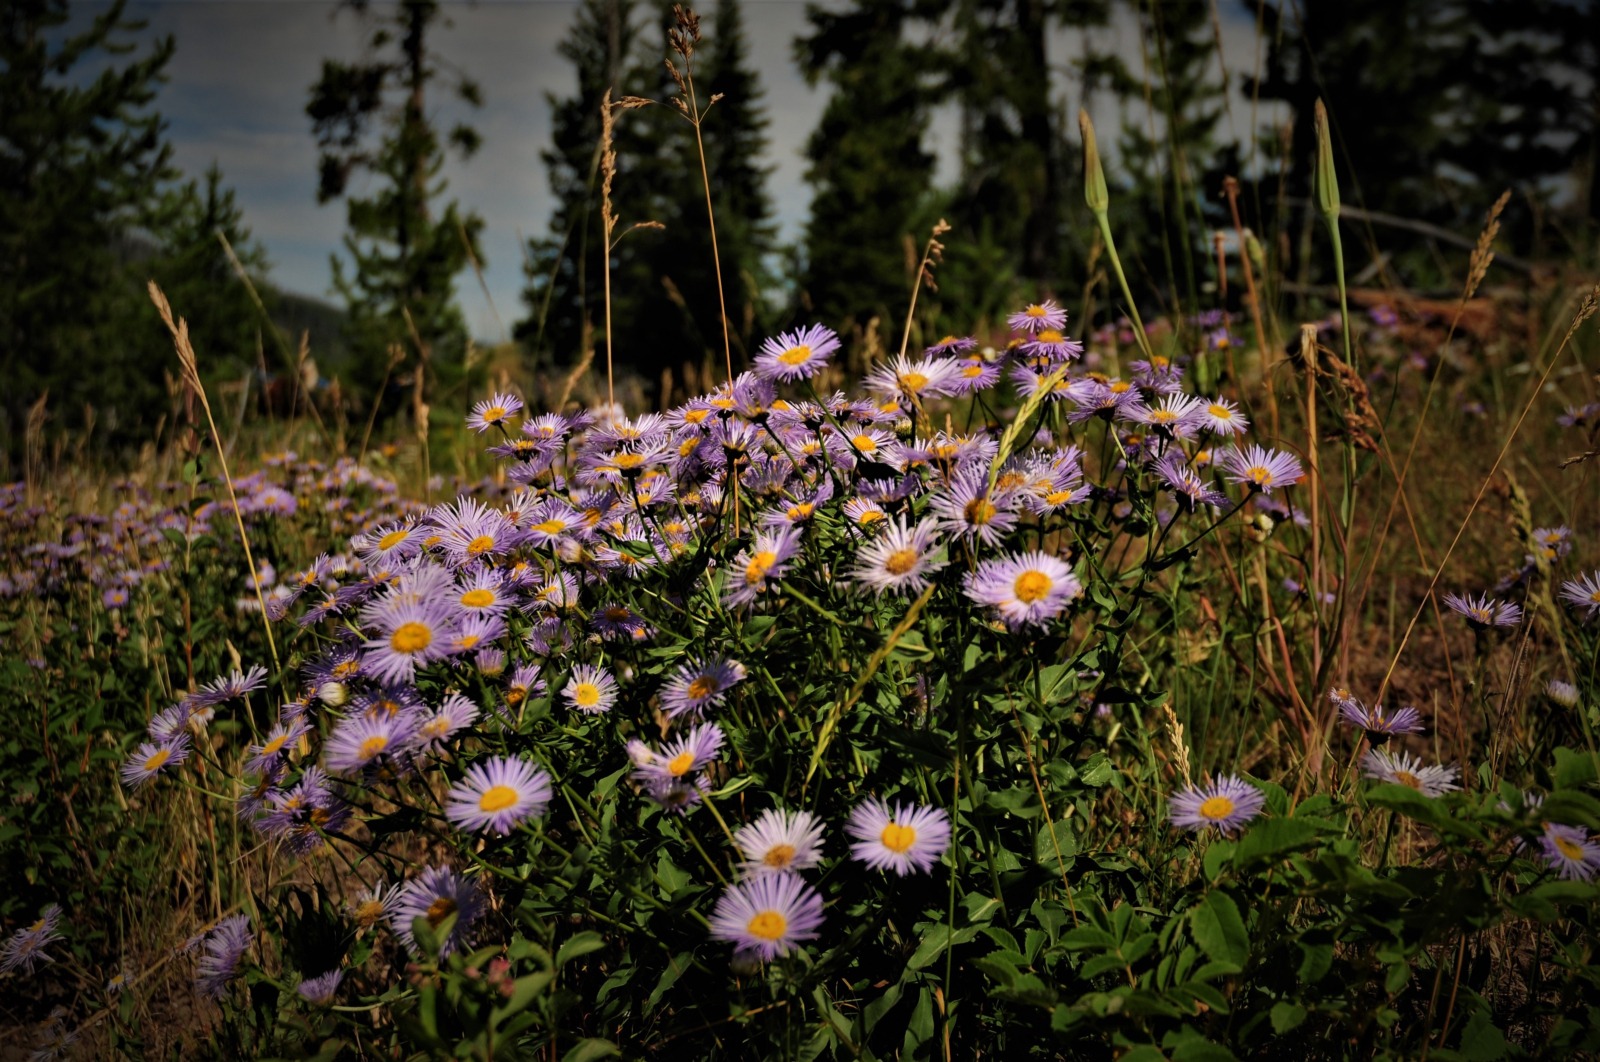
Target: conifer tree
x,y
869,165
665,306
405,251
81,165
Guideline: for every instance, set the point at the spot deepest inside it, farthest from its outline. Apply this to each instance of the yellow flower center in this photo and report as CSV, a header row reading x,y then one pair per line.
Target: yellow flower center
x,y
411,637
1216,808
1049,335
980,511
702,687
497,798
479,598
696,416
1036,311
768,925
1259,474
373,746
897,838
1220,412
439,910
628,460
481,544
156,759
1571,849
586,695
516,695
551,526
900,561
779,856
274,745
870,516
972,372
913,382
1031,586
759,566
865,443
796,355
494,414
393,539
679,765
368,912
1408,779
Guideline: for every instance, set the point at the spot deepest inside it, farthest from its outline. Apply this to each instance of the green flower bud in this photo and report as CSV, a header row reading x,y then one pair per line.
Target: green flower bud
x,y
1327,178
1094,177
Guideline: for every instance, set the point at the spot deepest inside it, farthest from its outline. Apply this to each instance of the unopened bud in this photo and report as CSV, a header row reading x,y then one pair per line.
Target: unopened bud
x,y
1327,179
1094,176
333,694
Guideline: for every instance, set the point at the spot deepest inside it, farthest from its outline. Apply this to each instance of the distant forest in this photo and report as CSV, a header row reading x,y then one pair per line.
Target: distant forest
x,y
1437,107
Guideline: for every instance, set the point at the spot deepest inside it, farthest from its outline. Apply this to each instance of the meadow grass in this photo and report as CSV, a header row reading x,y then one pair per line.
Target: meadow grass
x,y
1069,712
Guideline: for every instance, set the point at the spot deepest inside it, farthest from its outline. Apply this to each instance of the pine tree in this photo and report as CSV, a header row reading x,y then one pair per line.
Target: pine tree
x,y
564,268
665,306
870,169
193,269
405,252
81,165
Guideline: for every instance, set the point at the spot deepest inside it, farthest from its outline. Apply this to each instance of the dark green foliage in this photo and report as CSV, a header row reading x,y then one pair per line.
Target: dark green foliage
x,y
81,164
869,167
1438,107
406,251
665,305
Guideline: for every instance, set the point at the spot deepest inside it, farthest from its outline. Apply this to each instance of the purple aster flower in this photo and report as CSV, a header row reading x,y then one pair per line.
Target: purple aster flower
x,y
1377,722
951,346
914,379
901,559
434,895
904,838
1227,803
967,508
681,795
1484,611
590,690
223,950
453,715
1223,417
678,758
471,531
1553,543
1403,769
1176,416
1583,593
320,990
368,742
24,948
767,916
1028,588
699,684
780,841
267,755
1569,851
974,373
1051,345
796,355
409,633
498,795
1563,693
1258,468
152,757
493,412
1038,317
765,561
524,683
1190,489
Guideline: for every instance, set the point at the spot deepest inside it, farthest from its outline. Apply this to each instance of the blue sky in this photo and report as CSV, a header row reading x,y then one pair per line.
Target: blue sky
x,y
239,81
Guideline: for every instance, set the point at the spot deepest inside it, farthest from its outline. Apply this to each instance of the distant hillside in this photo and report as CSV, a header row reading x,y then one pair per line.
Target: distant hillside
x,y
295,313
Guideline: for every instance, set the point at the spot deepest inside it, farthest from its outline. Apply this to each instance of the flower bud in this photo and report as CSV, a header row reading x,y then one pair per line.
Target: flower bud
x,y
1327,179
1094,177
333,694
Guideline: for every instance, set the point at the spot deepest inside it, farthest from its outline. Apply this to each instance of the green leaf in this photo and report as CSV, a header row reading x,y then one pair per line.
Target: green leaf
x,y
1097,771
1574,768
1286,1016
1219,930
1055,845
585,1050
1270,839
936,940
580,944
1480,1040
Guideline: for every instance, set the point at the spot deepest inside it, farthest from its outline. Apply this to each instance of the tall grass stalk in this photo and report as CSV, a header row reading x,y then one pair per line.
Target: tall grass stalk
x,y
191,372
1099,201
